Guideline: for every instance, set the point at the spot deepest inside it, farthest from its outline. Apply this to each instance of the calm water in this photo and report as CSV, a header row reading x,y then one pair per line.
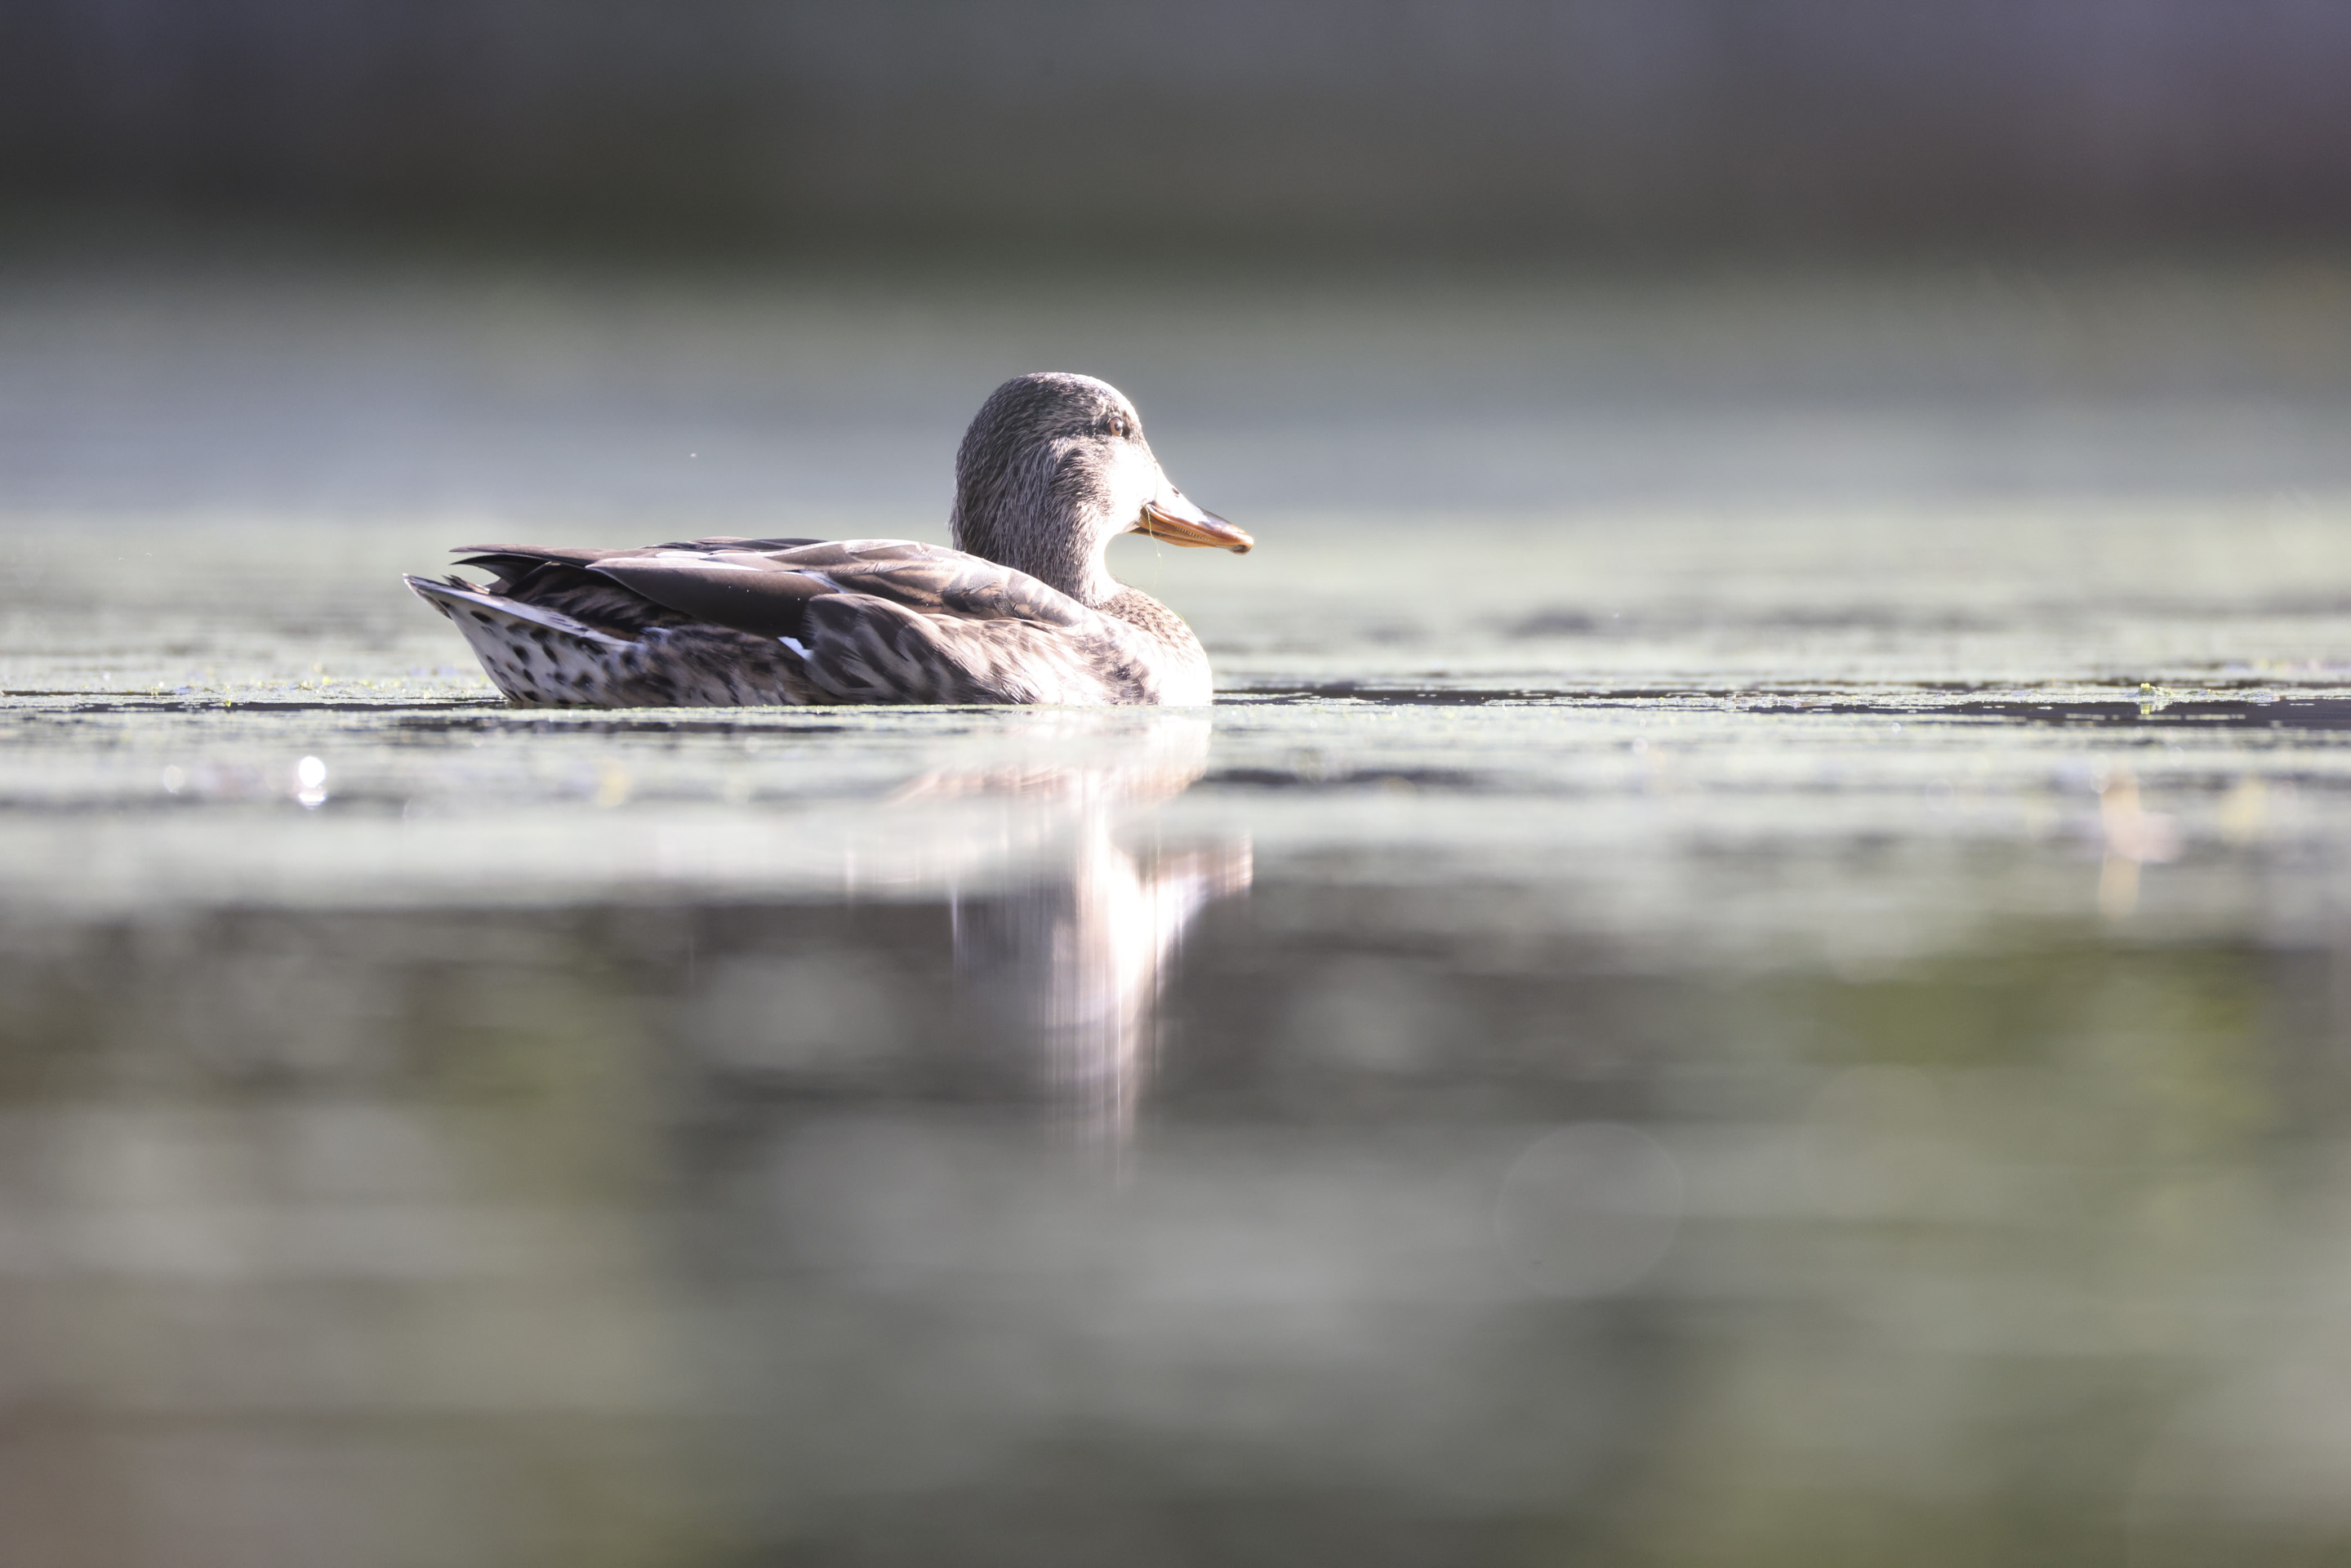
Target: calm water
x,y
1750,969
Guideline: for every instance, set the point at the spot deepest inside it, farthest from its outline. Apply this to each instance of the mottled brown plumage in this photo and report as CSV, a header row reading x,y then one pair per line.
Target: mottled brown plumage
x,y
1024,610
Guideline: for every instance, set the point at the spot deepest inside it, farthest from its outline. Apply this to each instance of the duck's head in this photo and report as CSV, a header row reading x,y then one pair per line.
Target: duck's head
x,y
1054,467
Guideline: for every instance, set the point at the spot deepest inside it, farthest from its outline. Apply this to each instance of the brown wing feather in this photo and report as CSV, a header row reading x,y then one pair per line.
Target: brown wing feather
x,y
598,601
936,580
513,562
584,555
744,592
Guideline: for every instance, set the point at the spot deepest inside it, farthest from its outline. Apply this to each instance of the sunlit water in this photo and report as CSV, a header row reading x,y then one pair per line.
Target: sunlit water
x,y
1689,1025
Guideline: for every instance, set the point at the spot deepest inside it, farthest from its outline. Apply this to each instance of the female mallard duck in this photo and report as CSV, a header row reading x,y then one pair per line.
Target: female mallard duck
x,y
1023,609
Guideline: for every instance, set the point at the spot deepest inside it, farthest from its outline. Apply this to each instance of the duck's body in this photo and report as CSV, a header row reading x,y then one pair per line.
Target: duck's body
x,y
1024,612
723,623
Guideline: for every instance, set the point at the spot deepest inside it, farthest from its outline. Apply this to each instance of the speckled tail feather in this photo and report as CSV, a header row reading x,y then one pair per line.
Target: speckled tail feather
x,y
539,655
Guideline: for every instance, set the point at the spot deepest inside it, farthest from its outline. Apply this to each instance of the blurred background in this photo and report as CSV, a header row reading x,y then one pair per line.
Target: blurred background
x,y
1180,132
1753,965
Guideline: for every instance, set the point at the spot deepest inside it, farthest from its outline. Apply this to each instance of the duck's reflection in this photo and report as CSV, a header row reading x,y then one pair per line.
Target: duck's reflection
x,y
1076,961
1066,959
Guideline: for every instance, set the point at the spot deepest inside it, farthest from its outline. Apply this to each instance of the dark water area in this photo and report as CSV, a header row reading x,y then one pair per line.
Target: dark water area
x,y
1783,999
1417,1227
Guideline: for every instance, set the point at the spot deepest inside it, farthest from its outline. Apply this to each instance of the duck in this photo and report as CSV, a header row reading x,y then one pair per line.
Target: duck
x,y
1022,609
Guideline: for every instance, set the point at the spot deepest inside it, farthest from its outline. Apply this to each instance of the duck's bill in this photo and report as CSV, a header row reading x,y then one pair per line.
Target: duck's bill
x,y
1178,521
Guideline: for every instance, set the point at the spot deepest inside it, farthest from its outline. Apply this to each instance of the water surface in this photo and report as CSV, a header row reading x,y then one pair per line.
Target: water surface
x,y
1703,1018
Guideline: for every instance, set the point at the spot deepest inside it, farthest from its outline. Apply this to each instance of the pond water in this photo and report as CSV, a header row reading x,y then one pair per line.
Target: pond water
x,y
1750,965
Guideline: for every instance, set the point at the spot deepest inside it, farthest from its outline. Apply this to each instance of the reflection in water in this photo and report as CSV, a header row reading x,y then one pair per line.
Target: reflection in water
x,y
1072,959
1588,1210
629,1235
2134,837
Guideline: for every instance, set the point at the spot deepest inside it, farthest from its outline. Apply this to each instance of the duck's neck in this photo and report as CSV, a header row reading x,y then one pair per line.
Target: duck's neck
x,y
1081,573
1065,555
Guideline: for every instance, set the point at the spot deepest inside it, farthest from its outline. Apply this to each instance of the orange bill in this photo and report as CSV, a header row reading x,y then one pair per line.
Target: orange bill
x,y
1179,522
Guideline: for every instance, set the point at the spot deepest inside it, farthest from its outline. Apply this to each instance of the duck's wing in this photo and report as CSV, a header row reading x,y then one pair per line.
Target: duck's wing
x,y
512,562
888,621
